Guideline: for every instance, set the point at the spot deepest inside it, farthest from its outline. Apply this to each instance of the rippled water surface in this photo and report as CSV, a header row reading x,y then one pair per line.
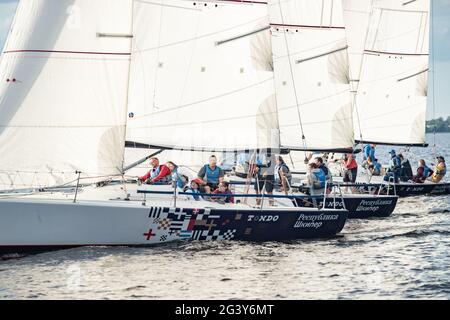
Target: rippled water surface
x,y
404,256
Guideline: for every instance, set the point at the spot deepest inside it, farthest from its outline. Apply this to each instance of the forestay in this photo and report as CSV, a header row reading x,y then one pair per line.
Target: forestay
x,y
63,88
202,76
311,74
392,92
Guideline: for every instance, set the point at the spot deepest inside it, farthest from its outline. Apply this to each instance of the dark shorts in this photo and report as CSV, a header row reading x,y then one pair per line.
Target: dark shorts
x,y
350,175
268,182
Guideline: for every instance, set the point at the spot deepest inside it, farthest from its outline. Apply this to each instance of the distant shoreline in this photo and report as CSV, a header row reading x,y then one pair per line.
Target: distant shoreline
x,y
438,125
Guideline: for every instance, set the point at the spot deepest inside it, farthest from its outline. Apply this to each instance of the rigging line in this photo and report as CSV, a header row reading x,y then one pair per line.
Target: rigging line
x,y
293,78
128,84
363,58
433,97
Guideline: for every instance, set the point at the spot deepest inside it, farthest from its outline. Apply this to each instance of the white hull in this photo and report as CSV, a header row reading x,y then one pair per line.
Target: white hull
x,y
36,224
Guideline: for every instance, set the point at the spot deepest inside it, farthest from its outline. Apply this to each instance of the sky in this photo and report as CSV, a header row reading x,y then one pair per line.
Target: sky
x,y
440,52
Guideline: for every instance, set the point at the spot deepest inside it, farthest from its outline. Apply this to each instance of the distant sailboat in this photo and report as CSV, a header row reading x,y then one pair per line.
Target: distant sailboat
x,y
312,84
389,54
79,78
389,65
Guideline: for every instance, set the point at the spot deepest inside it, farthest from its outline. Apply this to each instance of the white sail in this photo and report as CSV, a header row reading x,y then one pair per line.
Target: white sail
x,y
311,74
201,76
63,90
392,91
356,16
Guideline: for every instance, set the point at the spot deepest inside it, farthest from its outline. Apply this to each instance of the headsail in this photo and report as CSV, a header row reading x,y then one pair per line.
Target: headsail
x,y
63,91
392,91
311,74
201,76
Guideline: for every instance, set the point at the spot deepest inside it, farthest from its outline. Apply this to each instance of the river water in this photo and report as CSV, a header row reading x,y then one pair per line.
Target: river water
x,y
404,256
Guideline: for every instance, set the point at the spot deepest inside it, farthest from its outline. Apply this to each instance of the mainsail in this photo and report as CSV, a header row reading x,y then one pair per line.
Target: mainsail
x,y
311,74
63,91
389,46
201,76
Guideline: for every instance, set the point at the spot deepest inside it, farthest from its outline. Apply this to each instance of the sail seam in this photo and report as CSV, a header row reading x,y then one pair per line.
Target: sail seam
x,y
200,37
206,99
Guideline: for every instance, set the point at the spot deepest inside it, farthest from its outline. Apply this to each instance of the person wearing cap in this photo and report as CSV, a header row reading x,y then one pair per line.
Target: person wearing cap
x,y
440,170
395,165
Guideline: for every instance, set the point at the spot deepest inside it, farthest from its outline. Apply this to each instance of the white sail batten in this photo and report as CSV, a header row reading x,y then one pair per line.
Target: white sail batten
x,y
202,76
311,74
63,91
392,92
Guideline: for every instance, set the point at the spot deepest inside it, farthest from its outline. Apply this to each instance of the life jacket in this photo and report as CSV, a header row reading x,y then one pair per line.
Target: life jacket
x,y
195,194
212,176
324,169
321,179
396,163
426,171
441,172
286,174
156,172
180,179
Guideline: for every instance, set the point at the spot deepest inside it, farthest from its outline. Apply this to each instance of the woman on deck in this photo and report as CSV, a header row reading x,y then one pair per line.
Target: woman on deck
x,y
283,176
226,196
423,172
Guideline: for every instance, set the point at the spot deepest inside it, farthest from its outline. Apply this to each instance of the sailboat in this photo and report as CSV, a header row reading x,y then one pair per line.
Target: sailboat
x,y
313,93
82,79
389,65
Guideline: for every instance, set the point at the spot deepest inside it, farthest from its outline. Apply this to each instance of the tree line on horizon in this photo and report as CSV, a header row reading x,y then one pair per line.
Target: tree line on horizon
x,y
438,125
